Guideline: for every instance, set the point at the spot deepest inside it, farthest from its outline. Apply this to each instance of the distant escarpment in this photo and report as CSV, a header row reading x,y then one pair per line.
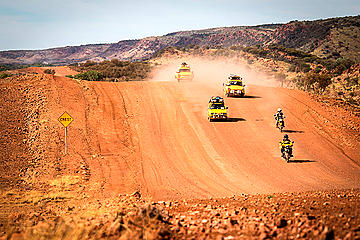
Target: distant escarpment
x,y
329,38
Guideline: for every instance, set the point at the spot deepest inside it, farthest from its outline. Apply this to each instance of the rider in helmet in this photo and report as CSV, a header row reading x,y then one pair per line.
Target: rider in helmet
x,y
286,142
278,115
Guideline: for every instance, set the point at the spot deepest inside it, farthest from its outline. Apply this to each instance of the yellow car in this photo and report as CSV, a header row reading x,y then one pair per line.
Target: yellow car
x,y
217,109
234,87
184,73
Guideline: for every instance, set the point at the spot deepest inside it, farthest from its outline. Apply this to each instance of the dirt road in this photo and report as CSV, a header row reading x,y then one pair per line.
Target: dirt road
x,y
155,137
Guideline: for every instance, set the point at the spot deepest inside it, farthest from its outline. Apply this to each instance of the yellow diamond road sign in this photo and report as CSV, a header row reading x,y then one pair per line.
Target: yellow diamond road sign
x,y
65,119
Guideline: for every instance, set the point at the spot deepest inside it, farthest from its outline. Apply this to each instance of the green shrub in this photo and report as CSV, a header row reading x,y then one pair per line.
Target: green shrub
x,y
342,64
90,76
292,68
5,75
301,66
329,64
316,82
310,59
114,70
337,67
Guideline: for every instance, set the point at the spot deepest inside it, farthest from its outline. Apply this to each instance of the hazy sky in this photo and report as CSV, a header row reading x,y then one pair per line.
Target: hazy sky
x,y
39,24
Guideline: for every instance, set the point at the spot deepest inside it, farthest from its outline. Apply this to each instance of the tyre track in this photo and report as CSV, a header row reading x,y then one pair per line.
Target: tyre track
x,y
154,137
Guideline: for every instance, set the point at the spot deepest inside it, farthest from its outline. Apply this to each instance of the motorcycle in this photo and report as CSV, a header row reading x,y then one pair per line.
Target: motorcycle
x,y
287,153
280,124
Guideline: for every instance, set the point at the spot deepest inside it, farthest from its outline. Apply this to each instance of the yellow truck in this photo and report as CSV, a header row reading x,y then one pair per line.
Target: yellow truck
x,y
234,87
184,73
217,109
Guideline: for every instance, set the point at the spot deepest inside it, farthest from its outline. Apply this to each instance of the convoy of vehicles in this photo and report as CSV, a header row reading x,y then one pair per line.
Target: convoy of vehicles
x,y
234,86
184,73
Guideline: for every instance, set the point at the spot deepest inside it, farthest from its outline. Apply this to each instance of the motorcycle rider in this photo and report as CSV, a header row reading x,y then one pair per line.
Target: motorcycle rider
x,y
286,142
279,115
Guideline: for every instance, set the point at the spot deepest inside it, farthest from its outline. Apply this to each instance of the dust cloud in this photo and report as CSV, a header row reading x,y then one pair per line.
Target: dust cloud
x,y
209,76
213,72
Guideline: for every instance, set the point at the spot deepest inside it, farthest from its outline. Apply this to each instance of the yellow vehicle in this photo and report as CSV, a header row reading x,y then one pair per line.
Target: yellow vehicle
x,y
234,86
184,73
217,109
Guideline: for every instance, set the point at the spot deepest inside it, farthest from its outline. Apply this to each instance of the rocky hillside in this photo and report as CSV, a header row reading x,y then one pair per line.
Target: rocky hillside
x,y
331,38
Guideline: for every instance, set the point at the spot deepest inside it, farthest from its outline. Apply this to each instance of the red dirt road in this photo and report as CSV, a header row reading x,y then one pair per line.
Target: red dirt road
x,y
155,137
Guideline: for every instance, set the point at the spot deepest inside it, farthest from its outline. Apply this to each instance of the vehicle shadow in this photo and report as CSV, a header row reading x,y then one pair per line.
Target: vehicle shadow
x,y
236,119
301,161
292,131
248,96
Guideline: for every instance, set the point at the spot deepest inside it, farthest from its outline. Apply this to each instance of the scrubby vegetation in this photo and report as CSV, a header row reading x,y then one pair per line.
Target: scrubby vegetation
x,y
300,61
113,70
4,67
314,81
5,75
89,75
337,77
49,71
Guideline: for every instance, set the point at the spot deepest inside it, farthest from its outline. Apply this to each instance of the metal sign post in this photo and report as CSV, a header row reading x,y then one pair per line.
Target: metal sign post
x,y
65,140
65,119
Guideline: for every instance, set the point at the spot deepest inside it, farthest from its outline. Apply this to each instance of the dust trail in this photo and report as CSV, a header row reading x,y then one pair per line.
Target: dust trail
x,y
213,71
209,76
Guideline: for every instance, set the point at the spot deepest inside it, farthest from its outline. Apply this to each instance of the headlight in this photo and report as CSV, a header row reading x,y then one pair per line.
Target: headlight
x,y
232,91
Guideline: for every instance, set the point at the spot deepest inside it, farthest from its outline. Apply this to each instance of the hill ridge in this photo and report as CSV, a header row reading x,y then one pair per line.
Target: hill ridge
x,y
329,38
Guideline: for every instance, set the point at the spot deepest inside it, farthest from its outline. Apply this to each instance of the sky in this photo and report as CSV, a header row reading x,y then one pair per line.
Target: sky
x,y
41,24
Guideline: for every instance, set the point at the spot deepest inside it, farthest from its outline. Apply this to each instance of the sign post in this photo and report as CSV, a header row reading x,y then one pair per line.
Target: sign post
x,y
65,119
65,140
